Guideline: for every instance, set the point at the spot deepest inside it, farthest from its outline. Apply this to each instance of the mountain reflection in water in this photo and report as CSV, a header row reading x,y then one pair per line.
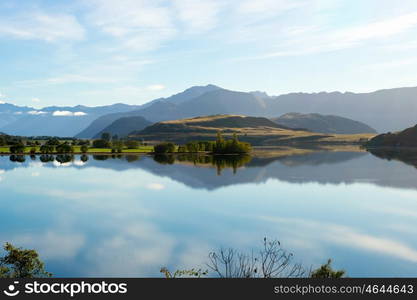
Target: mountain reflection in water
x,y
212,172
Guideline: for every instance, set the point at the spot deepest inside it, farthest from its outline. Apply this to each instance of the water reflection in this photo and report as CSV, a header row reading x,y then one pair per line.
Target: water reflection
x,y
220,162
407,156
384,167
129,215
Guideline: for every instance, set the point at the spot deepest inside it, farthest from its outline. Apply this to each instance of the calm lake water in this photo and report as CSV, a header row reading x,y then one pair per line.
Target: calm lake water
x,y
131,215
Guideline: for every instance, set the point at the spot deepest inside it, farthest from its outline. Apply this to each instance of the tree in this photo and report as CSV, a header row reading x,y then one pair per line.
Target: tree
x,y
21,263
17,149
101,143
47,149
65,148
271,262
326,271
233,146
52,142
164,148
84,149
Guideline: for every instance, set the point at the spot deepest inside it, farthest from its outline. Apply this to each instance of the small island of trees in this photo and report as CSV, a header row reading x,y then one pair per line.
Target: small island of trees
x,y
219,146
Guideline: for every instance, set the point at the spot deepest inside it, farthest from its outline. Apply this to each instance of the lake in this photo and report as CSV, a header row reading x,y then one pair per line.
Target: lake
x,y
130,215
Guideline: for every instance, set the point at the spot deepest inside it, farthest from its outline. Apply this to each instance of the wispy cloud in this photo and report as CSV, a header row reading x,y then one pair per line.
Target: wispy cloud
x,y
156,87
155,186
42,26
64,113
393,63
347,237
322,40
138,24
36,112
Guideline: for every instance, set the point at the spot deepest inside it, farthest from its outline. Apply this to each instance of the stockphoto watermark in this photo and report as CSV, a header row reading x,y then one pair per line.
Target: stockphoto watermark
x,y
62,288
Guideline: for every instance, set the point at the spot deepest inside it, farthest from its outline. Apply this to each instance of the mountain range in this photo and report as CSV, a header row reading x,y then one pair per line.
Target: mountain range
x,y
323,123
384,110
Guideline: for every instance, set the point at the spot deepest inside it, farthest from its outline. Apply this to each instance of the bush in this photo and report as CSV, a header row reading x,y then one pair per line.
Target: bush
x,y
47,149
64,148
326,271
84,148
17,149
101,143
164,148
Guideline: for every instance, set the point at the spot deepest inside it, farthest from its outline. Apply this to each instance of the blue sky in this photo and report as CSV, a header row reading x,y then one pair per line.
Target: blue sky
x,y
96,52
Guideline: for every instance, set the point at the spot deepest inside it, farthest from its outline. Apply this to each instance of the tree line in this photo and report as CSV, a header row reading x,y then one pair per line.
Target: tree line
x,y
219,146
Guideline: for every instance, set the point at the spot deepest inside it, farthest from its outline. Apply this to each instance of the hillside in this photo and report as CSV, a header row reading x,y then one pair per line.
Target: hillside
x,y
384,110
323,123
256,130
123,126
405,138
156,110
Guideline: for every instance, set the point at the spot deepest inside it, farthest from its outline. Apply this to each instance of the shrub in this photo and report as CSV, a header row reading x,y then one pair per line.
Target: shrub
x,y
164,148
101,143
84,148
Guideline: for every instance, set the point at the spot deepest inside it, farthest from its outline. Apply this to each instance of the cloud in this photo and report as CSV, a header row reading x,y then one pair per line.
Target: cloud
x,y
155,186
156,87
345,236
65,113
36,112
52,245
42,26
2,96
198,16
266,6
394,63
36,100
321,40
138,24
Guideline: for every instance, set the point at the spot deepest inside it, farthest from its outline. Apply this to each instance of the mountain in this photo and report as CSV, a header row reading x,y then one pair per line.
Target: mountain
x,y
382,110
53,120
214,100
156,110
405,138
123,126
323,123
255,130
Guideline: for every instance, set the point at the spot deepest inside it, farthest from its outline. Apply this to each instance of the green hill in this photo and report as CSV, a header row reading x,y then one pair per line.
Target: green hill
x,y
255,130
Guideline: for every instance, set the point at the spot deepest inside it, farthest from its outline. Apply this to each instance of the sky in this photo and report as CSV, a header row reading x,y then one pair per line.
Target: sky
x,y
99,52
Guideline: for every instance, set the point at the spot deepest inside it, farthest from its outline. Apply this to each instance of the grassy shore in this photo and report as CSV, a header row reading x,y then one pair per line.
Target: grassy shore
x,y
77,150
